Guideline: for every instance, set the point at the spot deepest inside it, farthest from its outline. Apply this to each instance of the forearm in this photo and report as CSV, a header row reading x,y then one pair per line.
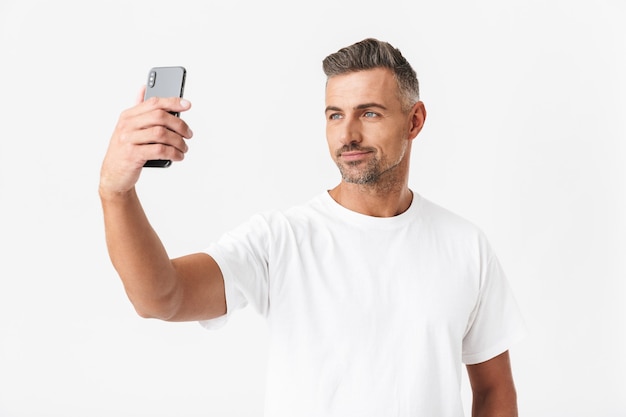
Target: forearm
x,y
138,255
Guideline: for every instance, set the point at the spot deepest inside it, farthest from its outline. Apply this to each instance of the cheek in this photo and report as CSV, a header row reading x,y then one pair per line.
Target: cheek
x,y
395,147
332,147
331,138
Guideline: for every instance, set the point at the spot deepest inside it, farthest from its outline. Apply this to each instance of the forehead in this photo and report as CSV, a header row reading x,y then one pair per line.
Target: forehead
x,y
365,86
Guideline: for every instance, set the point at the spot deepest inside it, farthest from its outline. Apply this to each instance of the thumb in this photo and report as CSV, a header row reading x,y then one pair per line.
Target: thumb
x,y
140,95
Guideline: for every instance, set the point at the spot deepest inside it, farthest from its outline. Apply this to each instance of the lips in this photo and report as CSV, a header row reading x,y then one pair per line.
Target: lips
x,y
353,155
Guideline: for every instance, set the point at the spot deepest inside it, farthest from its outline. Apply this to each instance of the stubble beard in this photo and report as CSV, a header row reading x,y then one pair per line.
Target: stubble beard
x,y
354,173
373,173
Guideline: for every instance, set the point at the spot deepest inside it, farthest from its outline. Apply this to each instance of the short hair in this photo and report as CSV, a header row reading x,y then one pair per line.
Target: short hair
x,y
371,53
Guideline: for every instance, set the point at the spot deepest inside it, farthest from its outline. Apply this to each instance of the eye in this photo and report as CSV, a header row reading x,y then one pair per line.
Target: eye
x,y
370,114
335,116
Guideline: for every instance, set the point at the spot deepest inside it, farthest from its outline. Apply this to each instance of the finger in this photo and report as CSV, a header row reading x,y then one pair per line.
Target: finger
x,y
140,95
130,121
158,135
154,151
163,119
143,146
169,104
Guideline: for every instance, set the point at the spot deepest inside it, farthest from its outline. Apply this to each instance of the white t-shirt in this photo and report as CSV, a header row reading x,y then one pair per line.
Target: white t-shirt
x,y
368,316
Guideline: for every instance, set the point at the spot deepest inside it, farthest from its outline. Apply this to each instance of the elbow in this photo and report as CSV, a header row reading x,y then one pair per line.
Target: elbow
x,y
500,402
164,308
154,312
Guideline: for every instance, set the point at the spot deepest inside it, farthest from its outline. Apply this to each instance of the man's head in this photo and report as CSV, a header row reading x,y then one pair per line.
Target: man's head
x,y
369,54
373,113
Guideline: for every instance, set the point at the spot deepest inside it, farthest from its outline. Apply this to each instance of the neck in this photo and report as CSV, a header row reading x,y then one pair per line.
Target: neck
x,y
373,201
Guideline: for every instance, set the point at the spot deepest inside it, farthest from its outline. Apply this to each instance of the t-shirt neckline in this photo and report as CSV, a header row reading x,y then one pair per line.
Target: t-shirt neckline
x,y
362,219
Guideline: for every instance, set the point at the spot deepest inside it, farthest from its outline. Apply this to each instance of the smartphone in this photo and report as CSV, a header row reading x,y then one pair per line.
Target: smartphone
x,y
165,82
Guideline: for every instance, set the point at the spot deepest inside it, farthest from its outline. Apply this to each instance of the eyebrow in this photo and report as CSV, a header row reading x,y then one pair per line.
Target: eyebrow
x,y
359,107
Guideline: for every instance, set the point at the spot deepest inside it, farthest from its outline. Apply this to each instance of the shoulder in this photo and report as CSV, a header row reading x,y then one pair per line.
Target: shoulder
x,y
297,215
451,228
435,215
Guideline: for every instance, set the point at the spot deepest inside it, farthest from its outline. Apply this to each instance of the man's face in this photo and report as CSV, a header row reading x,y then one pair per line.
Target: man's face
x,y
368,133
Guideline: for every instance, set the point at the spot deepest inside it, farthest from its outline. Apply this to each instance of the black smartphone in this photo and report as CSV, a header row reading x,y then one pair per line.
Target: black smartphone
x,y
165,82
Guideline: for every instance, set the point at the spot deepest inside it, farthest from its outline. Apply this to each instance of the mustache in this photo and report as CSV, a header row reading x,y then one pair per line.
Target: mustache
x,y
353,147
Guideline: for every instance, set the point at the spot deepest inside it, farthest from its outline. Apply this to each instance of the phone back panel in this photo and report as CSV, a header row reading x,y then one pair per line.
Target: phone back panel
x,y
165,82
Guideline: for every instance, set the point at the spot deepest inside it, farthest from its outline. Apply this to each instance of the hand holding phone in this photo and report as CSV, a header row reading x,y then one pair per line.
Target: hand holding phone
x,y
165,82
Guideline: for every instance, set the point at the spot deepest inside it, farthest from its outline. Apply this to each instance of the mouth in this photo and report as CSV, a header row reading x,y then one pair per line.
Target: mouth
x,y
352,154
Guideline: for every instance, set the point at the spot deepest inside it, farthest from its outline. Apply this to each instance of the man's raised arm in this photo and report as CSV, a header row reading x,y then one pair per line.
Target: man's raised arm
x,y
187,288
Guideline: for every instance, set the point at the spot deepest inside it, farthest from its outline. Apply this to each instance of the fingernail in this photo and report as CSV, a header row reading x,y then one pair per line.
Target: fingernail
x,y
184,103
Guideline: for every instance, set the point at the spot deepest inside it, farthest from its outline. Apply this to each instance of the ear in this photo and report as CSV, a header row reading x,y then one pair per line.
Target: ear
x,y
417,119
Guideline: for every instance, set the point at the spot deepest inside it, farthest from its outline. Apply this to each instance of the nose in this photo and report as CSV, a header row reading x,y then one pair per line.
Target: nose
x,y
350,131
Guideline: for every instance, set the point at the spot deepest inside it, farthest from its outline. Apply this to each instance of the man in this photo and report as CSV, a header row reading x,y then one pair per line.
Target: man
x,y
374,296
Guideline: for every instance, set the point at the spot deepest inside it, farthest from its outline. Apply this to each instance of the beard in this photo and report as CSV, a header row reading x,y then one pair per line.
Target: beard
x,y
368,172
360,172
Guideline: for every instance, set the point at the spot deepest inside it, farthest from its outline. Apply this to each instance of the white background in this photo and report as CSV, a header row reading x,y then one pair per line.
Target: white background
x,y
525,137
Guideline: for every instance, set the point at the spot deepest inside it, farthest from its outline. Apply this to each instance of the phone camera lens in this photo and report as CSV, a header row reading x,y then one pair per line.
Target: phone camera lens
x,y
151,79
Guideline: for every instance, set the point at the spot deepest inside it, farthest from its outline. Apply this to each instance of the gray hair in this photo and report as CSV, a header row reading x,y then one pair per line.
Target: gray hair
x,y
371,53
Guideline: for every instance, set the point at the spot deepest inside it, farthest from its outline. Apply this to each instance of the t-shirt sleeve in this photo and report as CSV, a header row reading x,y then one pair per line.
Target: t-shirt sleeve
x,y
496,322
242,256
